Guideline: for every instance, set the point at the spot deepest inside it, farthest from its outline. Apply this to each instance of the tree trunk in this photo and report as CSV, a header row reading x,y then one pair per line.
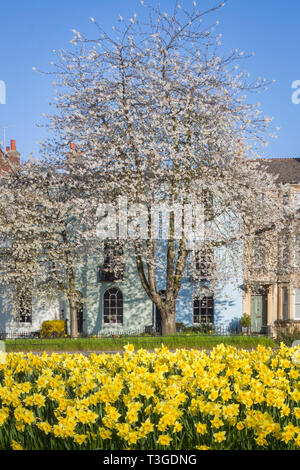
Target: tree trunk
x,y
73,304
168,324
71,292
165,303
73,317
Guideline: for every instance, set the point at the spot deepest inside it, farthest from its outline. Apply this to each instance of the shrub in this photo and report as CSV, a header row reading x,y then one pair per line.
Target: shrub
x,y
245,321
53,329
180,327
203,328
287,334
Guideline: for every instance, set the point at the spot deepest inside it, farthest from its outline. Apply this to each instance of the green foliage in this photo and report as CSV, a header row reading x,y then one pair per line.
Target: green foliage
x,y
201,328
53,329
287,334
245,321
180,327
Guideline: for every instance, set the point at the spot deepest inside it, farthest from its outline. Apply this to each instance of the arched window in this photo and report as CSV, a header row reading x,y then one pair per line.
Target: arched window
x,y
113,306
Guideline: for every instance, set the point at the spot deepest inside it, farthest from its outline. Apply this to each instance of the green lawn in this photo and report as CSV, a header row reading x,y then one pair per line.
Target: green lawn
x,y
117,344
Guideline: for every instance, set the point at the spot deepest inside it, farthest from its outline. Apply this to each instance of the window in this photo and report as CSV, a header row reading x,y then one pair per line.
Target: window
x,y
207,199
113,306
113,263
203,310
287,257
297,200
297,304
62,310
297,251
286,254
285,303
23,305
203,264
259,251
286,198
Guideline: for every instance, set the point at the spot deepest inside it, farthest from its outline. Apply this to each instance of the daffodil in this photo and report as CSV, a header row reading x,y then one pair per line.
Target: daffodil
x,y
164,440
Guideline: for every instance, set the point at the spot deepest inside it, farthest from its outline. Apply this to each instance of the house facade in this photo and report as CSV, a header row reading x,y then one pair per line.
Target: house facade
x,y
116,303
22,310
272,295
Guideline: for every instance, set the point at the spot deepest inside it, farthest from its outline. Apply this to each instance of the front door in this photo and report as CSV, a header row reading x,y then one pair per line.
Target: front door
x,y
80,318
157,321
258,313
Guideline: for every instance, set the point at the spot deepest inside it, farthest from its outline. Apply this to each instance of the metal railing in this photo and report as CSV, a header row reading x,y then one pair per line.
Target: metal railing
x,y
104,333
273,331
18,334
289,329
114,332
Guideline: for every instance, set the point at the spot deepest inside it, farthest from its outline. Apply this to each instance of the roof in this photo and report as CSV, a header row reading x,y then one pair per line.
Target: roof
x,y
287,170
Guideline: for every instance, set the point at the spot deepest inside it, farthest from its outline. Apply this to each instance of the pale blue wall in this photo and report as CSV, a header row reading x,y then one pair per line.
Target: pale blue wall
x,y
228,300
43,309
138,308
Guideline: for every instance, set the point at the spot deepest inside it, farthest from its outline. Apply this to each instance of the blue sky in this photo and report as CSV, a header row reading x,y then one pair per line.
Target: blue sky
x,y
31,29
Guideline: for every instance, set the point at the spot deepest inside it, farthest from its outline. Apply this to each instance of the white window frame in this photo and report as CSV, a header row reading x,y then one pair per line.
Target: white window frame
x,y
297,250
296,303
110,323
285,297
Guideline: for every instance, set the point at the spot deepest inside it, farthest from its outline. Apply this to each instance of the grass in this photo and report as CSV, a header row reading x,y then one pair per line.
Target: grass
x,y
150,343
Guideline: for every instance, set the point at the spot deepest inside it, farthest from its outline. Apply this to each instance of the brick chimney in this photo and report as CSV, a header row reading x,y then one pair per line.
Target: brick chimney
x,y
13,155
10,160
